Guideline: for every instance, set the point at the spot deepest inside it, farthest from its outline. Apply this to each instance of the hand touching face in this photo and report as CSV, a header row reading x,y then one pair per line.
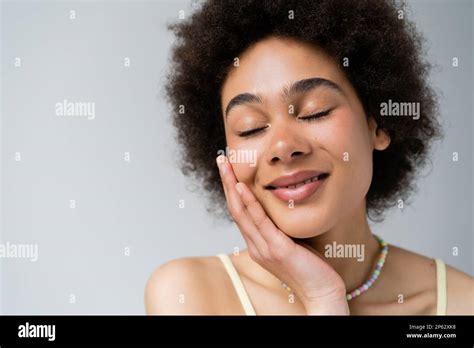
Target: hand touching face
x,y
291,104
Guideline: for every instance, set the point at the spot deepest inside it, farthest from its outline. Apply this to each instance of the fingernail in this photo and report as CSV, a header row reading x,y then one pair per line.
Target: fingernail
x,y
220,160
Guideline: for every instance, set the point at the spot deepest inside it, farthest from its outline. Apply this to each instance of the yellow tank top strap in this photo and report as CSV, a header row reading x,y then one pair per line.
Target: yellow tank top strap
x,y
441,287
238,285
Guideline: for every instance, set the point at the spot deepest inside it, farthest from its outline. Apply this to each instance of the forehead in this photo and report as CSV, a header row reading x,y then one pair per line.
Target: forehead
x,y
267,66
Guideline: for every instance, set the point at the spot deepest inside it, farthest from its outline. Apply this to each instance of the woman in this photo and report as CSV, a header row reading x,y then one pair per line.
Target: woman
x,y
295,93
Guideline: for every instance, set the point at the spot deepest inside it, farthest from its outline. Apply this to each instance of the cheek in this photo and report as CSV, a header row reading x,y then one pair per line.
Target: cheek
x,y
348,142
345,136
243,156
244,173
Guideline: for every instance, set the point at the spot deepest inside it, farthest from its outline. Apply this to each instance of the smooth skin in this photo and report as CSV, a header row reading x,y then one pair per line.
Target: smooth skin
x,y
286,243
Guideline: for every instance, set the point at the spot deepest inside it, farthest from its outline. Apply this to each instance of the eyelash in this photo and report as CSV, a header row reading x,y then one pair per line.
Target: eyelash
x,y
309,118
251,132
317,115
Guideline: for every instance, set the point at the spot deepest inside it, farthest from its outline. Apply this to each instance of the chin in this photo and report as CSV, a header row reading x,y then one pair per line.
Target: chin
x,y
302,222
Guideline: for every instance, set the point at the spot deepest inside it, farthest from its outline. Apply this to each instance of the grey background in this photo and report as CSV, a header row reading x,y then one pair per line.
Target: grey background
x,y
135,204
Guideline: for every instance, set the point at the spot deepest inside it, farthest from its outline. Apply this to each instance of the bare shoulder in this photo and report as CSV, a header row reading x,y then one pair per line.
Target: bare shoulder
x,y
420,272
187,286
179,286
410,268
460,292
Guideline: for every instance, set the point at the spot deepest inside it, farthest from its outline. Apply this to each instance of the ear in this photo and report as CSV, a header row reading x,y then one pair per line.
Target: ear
x,y
380,137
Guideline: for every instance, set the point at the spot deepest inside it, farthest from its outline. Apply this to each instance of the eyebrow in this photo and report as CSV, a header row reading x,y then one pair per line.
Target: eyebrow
x,y
297,87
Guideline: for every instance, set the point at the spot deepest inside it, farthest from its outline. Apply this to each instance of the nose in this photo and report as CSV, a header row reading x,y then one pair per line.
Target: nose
x,y
286,144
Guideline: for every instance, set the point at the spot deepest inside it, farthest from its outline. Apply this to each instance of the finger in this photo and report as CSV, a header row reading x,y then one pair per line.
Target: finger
x,y
265,225
251,247
224,187
236,207
222,159
235,204
250,233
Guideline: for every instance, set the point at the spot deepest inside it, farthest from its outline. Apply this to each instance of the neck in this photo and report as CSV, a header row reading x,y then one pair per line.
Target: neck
x,y
352,231
350,248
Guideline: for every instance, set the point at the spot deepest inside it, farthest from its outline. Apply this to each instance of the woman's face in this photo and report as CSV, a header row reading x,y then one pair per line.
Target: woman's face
x,y
278,83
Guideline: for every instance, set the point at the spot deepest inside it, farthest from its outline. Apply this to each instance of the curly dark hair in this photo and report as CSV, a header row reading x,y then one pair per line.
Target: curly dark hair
x,y
387,61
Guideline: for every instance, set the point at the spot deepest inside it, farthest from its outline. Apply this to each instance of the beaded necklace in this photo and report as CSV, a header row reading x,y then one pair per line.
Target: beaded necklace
x,y
373,277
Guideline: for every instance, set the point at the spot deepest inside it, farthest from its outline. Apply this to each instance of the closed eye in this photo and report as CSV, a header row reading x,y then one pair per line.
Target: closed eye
x,y
312,117
251,132
316,116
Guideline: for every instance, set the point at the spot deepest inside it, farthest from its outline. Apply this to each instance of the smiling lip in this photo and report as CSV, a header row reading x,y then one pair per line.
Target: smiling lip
x,y
297,186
